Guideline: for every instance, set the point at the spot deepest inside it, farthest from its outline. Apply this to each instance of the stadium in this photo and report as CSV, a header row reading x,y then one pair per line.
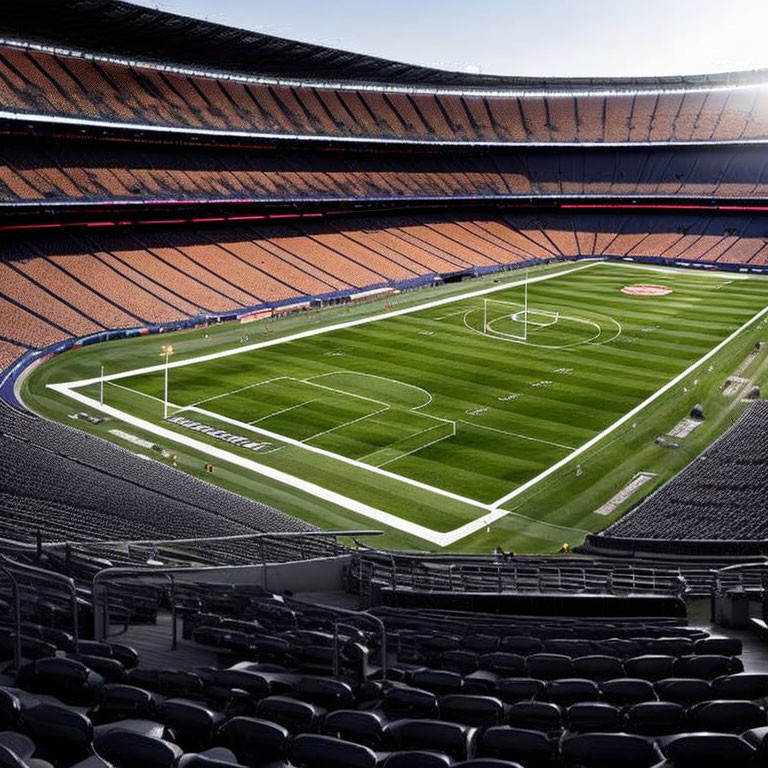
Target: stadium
x,y
366,414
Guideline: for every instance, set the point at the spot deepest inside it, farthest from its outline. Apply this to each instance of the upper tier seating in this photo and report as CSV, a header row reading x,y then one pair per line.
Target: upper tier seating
x,y
40,83
41,171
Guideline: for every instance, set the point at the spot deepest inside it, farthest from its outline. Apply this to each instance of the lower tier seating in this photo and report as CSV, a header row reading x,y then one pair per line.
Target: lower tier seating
x,y
289,688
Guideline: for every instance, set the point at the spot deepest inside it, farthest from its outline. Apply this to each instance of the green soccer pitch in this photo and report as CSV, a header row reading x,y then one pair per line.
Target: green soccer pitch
x,y
501,413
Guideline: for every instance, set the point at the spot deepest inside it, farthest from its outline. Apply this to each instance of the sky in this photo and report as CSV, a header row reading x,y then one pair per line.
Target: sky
x,y
573,38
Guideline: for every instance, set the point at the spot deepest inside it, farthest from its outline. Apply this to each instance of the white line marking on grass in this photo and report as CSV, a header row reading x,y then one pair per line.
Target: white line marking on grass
x,y
134,391
682,271
284,410
346,424
242,389
415,450
382,378
630,414
517,434
338,457
450,314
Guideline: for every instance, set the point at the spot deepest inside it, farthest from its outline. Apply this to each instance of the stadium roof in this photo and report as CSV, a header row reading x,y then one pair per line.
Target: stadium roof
x,y
122,29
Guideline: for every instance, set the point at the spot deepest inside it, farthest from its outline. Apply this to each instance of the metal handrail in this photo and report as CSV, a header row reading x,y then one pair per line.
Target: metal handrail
x,y
494,576
212,539
370,617
9,566
107,574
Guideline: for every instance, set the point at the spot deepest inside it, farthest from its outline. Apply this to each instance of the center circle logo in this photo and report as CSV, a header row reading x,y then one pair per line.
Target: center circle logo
x,y
646,289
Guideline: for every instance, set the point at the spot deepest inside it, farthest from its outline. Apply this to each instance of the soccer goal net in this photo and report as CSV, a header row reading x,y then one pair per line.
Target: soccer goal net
x,y
514,320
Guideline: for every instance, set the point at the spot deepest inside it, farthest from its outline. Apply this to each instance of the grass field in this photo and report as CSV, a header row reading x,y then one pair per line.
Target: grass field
x,y
434,418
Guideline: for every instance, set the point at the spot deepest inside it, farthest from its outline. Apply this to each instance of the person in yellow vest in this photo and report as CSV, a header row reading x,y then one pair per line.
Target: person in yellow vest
x,y
565,549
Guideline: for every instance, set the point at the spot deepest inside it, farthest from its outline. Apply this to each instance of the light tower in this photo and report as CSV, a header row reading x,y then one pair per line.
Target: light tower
x,y
167,352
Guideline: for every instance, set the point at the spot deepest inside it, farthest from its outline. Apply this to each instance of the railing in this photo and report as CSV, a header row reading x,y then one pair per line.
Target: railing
x,y
16,572
258,548
515,575
749,578
102,579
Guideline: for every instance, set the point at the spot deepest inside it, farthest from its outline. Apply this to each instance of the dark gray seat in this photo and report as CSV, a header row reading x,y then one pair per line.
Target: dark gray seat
x,y
742,685
10,709
125,749
538,715
192,722
439,681
58,731
569,691
454,739
726,716
404,701
684,690
461,660
68,680
608,750
513,689
656,718
487,762
627,690
589,716
707,666
707,750
121,701
254,741
318,751
360,726
722,646
549,666
650,667
503,663
325,691
532,748
481,711
417,759
297,716
598,667
525,646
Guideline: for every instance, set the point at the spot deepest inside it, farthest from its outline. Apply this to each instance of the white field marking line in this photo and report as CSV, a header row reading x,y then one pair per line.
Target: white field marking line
x,y
682,271
385,407
388,407
630,414
450,314
508,337
284,410
338,326
346,424
522,437
439,538
400,440
135,392
339,457
240,389
382,378
421,447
